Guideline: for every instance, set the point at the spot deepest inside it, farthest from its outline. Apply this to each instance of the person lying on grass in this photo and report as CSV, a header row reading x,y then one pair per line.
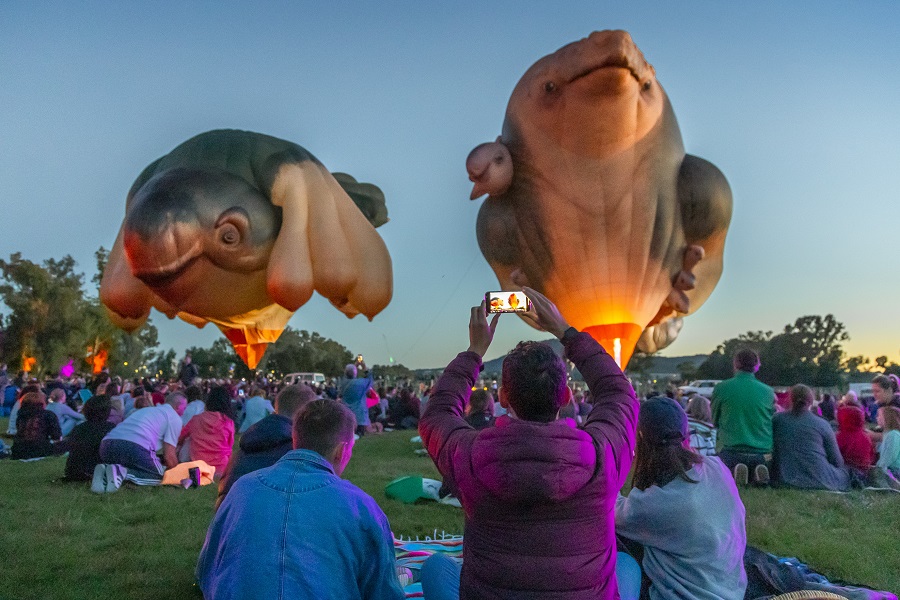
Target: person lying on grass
x,y
538,493
296,529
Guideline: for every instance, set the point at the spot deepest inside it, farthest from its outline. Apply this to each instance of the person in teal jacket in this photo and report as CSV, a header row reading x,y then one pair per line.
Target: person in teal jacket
x,y
296,530
742,410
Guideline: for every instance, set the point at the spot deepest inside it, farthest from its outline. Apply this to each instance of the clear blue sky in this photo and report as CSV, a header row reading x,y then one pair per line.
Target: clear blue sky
x,y
798,105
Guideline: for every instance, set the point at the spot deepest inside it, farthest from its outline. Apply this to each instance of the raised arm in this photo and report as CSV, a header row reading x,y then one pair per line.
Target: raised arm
x,y
613,420
443,427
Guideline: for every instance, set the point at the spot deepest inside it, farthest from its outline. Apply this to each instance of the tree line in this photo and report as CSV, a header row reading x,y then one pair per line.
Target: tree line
x,y
53,317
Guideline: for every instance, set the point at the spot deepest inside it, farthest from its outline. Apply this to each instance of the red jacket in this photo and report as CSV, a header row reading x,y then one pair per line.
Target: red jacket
x,y
539,498
855,445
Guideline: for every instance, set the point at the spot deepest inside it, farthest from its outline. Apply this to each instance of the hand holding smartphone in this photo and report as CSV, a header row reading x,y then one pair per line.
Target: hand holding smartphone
x,y
507,302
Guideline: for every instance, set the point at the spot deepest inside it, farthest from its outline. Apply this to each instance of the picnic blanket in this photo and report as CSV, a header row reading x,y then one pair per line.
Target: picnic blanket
x,y
412,553
763,569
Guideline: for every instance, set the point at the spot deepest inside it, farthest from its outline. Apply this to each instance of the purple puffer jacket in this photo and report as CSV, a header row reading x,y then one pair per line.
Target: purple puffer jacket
x,y
539,498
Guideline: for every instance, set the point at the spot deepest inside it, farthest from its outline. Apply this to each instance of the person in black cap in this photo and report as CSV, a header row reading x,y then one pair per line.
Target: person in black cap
x,y
683,518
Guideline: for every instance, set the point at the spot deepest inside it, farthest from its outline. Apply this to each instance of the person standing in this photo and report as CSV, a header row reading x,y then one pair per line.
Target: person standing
x,y
353,394
742,410
188,372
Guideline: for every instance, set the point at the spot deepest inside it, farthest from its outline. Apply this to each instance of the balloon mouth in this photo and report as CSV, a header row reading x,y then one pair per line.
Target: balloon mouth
x,y
618,339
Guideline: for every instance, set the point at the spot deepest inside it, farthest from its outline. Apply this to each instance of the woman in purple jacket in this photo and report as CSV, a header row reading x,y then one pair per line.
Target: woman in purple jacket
x,y
538,494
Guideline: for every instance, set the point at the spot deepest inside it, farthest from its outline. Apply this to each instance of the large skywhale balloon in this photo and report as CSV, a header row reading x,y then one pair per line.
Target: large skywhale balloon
x,y
593,201
238,229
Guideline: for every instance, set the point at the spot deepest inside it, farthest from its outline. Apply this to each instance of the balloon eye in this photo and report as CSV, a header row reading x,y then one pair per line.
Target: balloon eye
x,y
646,85
498,159
549,87
229,235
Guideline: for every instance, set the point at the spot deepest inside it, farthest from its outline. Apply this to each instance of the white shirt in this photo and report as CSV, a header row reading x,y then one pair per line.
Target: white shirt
x,y
149,428
194,408
255,409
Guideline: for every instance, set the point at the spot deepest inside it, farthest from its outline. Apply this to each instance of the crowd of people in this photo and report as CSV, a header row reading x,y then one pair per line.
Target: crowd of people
x,y
537,466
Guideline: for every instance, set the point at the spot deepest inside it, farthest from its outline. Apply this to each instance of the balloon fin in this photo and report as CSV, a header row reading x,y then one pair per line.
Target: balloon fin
x,y
618,339
249,342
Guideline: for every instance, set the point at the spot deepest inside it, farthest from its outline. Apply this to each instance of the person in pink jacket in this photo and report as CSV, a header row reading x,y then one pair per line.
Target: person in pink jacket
x,y
538,493
211,433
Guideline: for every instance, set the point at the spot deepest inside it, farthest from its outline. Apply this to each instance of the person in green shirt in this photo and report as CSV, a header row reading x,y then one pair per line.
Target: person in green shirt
x,y
742,410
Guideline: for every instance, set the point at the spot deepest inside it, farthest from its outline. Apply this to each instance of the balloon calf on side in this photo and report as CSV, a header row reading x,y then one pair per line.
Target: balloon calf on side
x,y
238,229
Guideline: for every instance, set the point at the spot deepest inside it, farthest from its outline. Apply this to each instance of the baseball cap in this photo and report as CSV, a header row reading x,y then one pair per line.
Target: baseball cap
x,y
662,421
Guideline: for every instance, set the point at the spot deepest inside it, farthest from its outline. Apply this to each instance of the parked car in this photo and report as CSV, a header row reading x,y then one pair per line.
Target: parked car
x,y
310,378
704,387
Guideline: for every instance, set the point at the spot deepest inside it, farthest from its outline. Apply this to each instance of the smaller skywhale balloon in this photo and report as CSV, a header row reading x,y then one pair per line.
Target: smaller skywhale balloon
x,y
238,229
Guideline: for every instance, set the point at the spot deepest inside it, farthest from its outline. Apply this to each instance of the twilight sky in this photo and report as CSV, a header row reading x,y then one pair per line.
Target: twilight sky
x,y
797,105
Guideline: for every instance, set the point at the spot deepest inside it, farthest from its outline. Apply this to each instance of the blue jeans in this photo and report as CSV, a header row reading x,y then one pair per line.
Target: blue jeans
x,y
440,577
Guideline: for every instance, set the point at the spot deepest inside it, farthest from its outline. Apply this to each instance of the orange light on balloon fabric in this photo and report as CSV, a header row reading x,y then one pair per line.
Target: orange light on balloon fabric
x,y
593,201
238,229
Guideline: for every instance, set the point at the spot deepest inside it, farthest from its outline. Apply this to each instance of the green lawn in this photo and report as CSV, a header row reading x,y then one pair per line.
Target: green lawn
x,y
60,541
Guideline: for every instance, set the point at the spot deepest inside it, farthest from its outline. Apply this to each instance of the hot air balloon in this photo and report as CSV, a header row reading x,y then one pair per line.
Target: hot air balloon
x,y
238,229
593,201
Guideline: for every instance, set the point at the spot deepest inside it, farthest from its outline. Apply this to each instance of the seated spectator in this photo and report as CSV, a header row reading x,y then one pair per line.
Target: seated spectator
x,y
67,417
854,443
827,408
14,411
256,408
687,550
136,440
888,465
480,411
84,441
702,431
196,405
267,441
117,406
141,400
885,392
36,428
296,529
806,453
406,410
536,491
211,432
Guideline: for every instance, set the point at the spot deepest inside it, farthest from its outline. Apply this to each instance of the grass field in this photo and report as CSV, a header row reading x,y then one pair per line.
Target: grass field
x,y
59,541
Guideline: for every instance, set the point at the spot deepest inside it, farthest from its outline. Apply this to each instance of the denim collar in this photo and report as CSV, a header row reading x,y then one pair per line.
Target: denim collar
x,y
310,457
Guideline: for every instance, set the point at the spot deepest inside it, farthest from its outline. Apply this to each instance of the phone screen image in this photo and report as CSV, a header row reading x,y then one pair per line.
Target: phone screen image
x,y
501,302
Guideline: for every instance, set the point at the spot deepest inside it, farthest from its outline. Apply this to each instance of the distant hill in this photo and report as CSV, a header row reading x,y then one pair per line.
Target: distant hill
x,y
669,364
660,364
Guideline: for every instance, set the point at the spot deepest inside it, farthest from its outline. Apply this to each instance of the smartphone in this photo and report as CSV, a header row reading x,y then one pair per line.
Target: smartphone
x,y
509,301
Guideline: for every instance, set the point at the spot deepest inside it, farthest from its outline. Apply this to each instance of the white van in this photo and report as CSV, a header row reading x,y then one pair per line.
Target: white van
x,y
310,378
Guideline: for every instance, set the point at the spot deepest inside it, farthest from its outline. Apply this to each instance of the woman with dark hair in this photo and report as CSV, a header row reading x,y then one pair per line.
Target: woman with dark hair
x,y
84,441
211,433
806,452
36,428
687,550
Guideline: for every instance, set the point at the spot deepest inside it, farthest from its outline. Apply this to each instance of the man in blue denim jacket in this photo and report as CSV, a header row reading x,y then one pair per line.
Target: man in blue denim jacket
x,y
297,530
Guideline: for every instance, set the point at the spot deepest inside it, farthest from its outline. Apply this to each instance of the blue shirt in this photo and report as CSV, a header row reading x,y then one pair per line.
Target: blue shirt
x,y
354,396
298,531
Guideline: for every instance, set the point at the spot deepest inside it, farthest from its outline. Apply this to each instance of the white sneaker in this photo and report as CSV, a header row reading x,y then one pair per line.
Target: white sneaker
x,y
98,483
